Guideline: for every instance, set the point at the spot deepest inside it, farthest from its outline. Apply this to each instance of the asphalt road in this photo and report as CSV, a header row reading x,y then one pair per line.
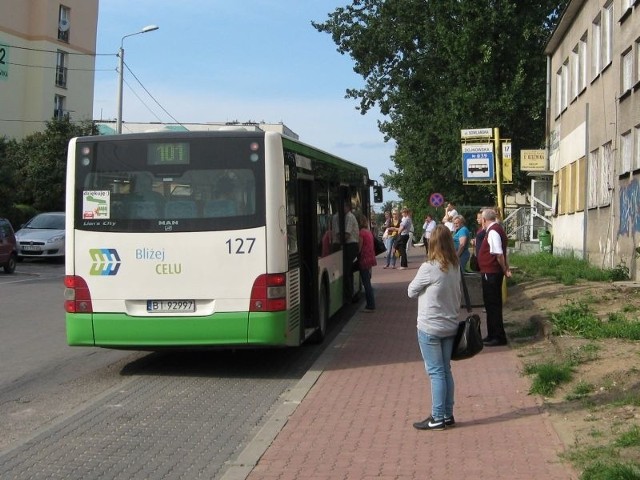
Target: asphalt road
x,y
56,400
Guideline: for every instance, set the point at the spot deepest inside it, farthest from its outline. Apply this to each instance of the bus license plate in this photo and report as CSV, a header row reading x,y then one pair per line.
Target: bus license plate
x,y
169,306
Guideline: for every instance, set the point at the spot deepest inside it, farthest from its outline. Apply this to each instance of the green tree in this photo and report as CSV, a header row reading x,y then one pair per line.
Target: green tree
x,y
39,164
436,67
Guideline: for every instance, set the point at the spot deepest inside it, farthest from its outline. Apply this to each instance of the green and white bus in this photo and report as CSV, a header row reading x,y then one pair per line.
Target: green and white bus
x,y
198,239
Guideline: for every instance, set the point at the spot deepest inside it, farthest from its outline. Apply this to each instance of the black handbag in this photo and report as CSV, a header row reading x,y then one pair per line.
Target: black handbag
x,y
468,342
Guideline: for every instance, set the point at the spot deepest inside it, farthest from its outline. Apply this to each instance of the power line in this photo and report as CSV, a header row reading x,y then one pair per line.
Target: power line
x,y
152,97
87,70
56,51
56,67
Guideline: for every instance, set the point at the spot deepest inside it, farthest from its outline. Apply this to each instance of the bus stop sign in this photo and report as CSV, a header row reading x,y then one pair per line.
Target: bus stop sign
x,y
436,199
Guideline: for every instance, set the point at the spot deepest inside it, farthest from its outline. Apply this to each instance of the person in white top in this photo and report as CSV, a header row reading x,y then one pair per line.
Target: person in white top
x,y
449,215
427,228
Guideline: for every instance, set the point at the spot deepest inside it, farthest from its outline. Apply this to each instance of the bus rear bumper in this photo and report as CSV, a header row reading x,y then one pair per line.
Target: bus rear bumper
x,y
112,330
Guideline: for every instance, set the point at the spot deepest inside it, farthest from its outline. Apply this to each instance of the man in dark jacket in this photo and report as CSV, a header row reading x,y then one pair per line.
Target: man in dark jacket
x,y
492,260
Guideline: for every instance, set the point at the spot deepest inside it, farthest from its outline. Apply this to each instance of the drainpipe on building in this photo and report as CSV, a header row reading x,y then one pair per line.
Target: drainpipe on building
x,y
586,179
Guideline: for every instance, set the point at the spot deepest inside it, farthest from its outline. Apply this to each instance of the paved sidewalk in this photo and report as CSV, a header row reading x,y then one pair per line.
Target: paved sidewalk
x,y
356,420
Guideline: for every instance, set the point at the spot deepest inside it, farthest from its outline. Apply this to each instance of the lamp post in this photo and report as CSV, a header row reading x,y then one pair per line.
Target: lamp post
x,y
148,28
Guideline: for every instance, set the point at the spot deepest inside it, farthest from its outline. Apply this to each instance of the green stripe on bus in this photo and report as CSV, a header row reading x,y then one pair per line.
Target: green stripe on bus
x,y
124,331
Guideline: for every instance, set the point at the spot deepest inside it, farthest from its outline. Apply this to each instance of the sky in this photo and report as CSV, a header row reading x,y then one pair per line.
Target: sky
x,y
244,60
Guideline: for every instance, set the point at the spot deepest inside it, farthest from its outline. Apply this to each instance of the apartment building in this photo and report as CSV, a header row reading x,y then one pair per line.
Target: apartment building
x,y
47,61
593,125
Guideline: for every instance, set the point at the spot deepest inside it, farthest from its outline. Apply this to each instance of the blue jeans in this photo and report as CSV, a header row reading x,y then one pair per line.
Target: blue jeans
x,y
365,275
391,258
436,352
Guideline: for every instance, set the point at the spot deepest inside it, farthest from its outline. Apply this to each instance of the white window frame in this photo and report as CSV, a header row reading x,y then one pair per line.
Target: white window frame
x,y
575,72
64,14
636,156
594,179
626,151
582,58
606,174
59,106
607,35
596,40
636,59
61,68
562,79
626,71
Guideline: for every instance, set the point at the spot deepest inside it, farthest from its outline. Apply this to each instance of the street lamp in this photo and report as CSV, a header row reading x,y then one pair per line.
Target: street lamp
x,y
148,28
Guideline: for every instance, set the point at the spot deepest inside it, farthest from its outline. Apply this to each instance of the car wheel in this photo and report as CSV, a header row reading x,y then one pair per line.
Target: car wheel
x,y
10,266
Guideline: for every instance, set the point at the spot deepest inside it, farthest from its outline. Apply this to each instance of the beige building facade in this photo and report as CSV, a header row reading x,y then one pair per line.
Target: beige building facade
x,y
47,62
593,132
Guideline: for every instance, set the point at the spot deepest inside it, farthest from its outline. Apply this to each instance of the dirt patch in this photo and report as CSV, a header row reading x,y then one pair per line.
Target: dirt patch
x,y
602,401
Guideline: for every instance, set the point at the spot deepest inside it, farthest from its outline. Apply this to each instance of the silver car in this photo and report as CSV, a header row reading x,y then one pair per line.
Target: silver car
x,y
42,237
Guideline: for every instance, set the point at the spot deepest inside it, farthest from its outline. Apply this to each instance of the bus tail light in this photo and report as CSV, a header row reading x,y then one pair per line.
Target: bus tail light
x,y
77,298
269,293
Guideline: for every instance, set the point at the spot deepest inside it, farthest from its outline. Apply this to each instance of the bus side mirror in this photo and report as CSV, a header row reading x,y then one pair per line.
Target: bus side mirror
x,y
377,194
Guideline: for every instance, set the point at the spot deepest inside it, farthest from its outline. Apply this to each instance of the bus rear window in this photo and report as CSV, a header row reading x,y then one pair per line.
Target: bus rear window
x,y
169,182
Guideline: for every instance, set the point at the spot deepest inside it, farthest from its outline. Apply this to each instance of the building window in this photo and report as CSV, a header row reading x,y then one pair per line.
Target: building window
x,y
607,35
626,71
64,14
61,69
59,104
636,157
582,58
575,72
636,78
626,5
580,185
625,152
606,177
596,39
594,178
562,85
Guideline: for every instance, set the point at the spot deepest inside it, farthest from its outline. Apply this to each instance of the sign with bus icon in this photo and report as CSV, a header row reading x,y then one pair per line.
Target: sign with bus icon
x,y
477,161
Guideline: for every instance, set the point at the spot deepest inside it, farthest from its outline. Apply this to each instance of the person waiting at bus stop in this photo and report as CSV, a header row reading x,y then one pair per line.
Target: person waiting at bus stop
x,y
492,260
405,229
366,260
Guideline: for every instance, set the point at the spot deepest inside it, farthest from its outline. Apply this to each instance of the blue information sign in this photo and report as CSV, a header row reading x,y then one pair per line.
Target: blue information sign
x,y
477,161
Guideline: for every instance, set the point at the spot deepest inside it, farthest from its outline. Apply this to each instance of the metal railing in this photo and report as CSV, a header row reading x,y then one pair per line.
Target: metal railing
x,y
524,223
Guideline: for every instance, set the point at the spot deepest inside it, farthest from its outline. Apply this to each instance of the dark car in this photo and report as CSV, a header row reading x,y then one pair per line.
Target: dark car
x,y
8,253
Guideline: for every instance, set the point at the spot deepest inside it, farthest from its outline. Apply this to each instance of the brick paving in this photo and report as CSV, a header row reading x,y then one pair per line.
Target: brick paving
x,y
356,420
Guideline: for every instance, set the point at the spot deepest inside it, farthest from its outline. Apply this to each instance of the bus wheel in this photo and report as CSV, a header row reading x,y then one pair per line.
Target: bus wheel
x,y
323,316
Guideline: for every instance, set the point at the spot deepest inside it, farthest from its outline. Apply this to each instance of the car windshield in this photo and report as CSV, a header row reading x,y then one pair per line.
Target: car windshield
x,y
49,222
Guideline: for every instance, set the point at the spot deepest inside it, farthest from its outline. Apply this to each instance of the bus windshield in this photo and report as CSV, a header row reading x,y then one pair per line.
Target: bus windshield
x,y
175,184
